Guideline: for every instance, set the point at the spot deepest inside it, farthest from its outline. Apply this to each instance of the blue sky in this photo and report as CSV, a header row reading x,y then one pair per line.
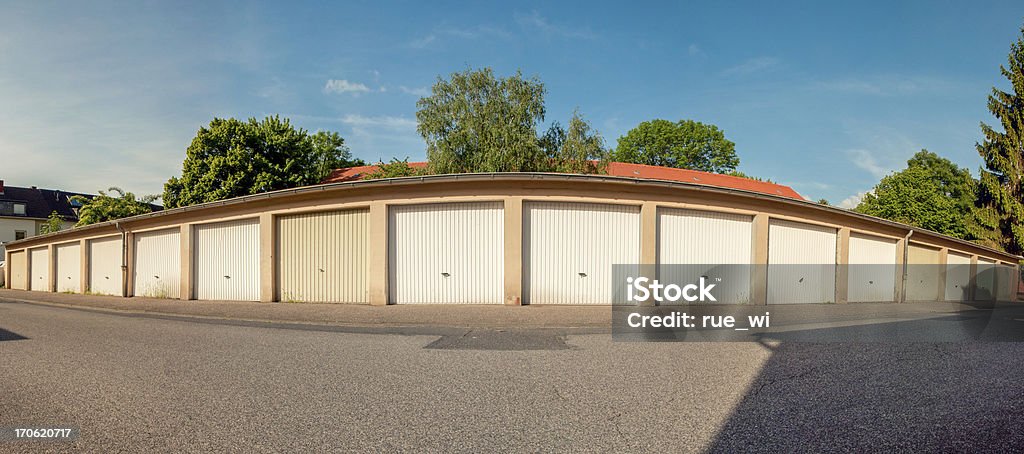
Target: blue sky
x,y
824,97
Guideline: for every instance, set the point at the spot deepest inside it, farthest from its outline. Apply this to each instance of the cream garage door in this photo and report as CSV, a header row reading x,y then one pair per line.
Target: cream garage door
x,y
1005,282
105,266
958,277
872,269
446,253
40,275
694,243
19,270
227,260
158,264
923,274
986,280
570,250
69,268
322,257
801,263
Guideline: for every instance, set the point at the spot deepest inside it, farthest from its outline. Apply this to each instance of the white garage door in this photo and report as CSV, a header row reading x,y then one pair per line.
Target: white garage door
x,y
872,269
958,277
446,253
19,270
322,257
986,280
570,249
105,266
923,274
69,268
158,264
40,276
694,243
227,261
801,263
1005,283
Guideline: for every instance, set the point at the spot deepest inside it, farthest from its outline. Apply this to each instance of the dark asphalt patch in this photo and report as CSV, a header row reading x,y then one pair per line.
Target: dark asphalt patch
x,y
514,340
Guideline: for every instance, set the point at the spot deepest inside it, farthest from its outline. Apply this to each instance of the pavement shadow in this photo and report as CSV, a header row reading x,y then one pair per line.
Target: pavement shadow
x,y
891,395
10,336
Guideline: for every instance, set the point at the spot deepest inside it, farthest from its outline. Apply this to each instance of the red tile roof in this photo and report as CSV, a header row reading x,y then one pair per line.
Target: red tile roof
x,y
356,173
622,169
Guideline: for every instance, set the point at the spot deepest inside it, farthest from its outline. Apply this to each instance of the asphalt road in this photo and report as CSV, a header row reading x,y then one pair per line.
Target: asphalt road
x,y
143,384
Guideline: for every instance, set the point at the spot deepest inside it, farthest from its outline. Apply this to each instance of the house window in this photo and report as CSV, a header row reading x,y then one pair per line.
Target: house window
x,y
19,209
19,235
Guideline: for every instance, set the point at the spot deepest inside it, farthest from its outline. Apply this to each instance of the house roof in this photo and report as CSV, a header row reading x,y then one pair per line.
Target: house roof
x,y
623,169
39,203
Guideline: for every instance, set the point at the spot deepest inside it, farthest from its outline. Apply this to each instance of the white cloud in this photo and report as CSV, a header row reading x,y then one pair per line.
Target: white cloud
x,y
420,43
867,161
344,86
438,34
852,201
420,91
752,65
889,85
694,50
384,121
537,22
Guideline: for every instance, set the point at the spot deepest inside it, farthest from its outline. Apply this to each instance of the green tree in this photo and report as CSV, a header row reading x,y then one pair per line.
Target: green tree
x,y
476,122
685,144
330,153
1002,180
54,223
105,207
737,173
232,158
578,149
395,169
931,193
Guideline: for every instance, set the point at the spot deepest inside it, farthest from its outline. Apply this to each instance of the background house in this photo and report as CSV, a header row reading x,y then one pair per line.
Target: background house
x,y
23,211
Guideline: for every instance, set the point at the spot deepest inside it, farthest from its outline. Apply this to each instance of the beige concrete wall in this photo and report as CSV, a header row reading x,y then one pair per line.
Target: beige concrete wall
x,y
513,251
512,191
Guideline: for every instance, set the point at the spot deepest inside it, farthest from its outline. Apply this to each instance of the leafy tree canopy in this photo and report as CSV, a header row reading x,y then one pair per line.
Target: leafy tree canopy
x,y
54,223
931,193
395,169
685,144
1002,180
232,158
476,122
106,207
577,149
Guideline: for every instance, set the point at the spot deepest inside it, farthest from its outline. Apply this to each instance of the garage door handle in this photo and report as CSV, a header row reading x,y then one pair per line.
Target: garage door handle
x,y
156,277
582,274
446,274
227,277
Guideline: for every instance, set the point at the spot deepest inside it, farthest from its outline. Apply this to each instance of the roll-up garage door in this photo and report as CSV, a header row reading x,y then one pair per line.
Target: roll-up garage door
x,y
105,266
801,263
40,276
227,260
19,270
986,280
69,268
922,273
322,257
695,243
1005,284
158,264
958,277
872,269
446,253
570,249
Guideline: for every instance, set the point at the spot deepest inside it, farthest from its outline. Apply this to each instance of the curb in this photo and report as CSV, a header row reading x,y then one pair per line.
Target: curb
x,y
361,328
